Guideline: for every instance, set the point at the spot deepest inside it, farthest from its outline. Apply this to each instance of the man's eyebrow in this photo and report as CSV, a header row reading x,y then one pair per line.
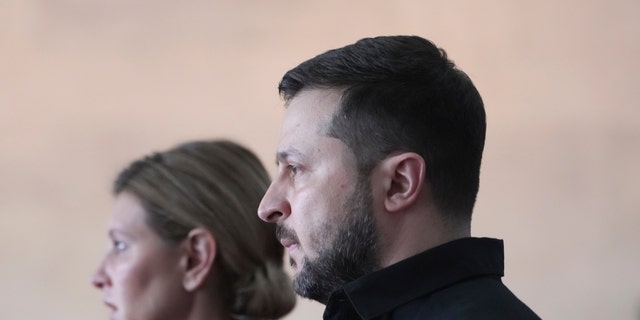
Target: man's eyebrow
x,y
285,154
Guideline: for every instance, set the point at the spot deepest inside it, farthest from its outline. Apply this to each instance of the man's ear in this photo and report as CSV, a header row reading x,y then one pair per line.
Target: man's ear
x,y
404,178
199,258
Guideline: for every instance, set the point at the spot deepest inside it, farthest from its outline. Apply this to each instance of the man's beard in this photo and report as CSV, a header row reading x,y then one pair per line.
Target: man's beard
x,y
351,254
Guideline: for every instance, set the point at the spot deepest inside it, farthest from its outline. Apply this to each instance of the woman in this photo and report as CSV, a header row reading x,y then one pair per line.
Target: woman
x,y
187,242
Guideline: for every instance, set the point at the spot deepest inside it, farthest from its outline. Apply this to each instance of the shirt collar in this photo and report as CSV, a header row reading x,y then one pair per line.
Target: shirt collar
x,y
381,291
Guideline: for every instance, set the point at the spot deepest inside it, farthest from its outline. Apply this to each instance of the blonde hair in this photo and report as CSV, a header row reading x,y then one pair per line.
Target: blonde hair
x,y
217,185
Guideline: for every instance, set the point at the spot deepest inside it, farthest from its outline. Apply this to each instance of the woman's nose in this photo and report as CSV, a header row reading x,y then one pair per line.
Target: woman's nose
x,y
100,278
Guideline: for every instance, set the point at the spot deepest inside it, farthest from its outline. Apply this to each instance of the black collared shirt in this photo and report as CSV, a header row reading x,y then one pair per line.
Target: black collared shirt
x,y
457,280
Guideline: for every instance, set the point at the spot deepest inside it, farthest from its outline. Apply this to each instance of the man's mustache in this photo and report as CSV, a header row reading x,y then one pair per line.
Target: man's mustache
x,y
283,232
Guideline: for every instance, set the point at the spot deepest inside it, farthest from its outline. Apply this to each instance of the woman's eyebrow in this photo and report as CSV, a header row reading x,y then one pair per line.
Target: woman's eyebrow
x,y
117,232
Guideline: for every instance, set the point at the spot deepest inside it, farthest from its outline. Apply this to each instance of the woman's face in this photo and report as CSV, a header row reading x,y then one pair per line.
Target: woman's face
x,y
141,275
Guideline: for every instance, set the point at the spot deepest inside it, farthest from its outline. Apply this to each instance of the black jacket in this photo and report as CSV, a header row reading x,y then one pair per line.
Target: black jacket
x,y
457,280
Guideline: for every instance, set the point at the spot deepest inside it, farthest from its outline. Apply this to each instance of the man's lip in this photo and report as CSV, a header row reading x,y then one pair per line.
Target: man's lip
x,y
287,242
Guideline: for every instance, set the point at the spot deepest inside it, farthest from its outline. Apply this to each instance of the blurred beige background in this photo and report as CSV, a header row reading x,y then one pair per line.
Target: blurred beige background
x,y
87,86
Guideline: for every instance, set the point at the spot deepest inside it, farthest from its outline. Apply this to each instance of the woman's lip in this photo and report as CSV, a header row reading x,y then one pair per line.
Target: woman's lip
x,y
110,305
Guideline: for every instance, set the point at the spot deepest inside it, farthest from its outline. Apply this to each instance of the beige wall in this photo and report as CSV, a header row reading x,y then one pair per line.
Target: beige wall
x,y
86,86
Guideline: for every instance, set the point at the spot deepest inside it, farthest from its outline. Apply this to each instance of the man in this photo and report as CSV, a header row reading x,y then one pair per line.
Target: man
x,y
379,164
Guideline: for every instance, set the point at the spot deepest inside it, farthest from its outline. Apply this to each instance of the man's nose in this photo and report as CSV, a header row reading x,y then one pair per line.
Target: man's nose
x,y
274,206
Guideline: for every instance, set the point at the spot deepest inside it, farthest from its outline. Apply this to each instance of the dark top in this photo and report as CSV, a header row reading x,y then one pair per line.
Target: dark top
x,y
457,280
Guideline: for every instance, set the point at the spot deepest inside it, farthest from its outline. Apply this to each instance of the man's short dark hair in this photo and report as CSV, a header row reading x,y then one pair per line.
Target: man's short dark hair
x,y
402,93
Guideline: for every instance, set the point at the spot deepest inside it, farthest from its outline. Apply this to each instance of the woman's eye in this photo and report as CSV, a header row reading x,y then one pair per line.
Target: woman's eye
x,y
119,246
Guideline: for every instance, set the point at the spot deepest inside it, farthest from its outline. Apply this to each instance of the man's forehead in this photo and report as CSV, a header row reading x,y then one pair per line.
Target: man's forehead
x,y
316,102
311,111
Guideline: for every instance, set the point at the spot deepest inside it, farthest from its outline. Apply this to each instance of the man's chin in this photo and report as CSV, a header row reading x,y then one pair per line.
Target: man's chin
x,y
294,263
296,259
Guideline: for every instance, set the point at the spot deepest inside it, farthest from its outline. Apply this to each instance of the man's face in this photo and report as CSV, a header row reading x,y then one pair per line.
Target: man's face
x,y
323,210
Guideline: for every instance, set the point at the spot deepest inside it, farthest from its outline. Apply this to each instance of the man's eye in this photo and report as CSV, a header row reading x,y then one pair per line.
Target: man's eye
x,y
292,169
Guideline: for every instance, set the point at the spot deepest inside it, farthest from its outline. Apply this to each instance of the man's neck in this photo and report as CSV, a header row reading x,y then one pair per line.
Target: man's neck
x,y
413,232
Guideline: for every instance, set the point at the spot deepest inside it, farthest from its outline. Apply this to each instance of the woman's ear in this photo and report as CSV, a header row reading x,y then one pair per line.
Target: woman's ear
x,y
199,258
404,178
